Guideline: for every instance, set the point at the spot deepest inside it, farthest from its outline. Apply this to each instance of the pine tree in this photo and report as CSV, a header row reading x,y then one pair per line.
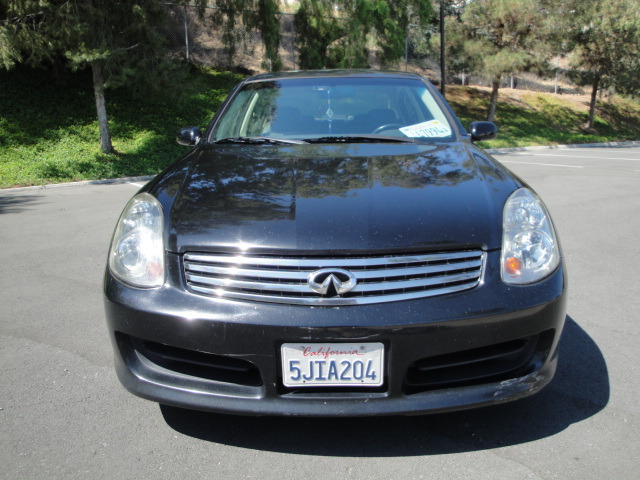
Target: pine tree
x,y
317,28
255,14
119,41
336,33
504,37
605,36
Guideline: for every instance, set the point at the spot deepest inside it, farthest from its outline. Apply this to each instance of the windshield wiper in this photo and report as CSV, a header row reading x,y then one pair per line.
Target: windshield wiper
x,y
261,140
360,139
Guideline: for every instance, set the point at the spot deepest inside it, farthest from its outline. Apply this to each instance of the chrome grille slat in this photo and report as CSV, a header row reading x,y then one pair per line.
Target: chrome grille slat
x,y
245,272
380,279
414,283
226,282
320,262
412,271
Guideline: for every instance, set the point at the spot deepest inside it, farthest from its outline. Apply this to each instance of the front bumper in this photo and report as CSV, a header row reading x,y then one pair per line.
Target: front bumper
x,y
489,345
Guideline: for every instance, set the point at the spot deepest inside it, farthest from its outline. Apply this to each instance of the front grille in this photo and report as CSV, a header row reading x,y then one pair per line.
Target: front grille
x,y
284,279
498,362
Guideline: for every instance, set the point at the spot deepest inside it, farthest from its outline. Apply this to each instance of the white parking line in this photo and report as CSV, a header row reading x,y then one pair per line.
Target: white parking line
x,y
576,158
633,150
139,185
544,164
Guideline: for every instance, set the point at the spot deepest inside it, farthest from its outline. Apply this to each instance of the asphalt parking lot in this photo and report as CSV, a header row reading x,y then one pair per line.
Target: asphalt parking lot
x,y
63,414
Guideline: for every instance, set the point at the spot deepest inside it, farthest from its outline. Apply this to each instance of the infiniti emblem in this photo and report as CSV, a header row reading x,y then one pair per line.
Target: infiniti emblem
x,y
332,281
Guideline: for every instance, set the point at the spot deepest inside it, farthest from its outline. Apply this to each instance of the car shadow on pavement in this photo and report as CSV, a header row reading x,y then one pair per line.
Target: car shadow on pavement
x,y
579,390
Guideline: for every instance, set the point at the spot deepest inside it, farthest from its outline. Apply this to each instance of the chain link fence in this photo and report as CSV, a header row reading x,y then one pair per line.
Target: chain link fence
x,y
193,37
523,81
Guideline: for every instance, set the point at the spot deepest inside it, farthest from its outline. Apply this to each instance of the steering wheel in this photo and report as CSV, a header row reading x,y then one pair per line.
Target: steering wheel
x,y
387,126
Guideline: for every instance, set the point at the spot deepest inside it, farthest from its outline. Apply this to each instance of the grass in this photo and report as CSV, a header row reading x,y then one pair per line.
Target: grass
x,y
49,133
49,130
526,119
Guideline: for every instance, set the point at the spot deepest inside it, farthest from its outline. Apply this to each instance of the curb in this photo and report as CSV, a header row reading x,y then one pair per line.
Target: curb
x,y
108,181
630,143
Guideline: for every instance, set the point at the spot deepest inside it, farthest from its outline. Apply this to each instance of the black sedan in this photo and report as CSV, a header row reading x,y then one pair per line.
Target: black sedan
x,y
335,244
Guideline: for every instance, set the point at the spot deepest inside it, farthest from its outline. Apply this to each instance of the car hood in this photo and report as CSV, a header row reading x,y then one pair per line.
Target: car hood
x,y
334,198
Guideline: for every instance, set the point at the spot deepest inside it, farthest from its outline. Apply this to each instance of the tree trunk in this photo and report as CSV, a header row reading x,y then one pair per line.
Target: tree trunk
x,y
443,77
493,102
592,105
103,121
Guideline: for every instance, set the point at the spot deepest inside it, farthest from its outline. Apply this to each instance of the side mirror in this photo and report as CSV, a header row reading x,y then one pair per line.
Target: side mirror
x,y
189,136
483,131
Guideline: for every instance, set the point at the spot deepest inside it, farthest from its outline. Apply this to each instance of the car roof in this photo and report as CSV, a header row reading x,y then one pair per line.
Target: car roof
x,y
331,74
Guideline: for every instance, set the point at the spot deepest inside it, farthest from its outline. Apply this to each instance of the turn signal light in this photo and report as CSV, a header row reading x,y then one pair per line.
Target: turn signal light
x,y
513,266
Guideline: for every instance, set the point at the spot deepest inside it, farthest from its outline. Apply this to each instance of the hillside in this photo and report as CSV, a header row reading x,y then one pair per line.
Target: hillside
x,y
530,118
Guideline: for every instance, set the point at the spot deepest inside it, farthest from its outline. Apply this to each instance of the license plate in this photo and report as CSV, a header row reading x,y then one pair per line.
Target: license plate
x,y
332,364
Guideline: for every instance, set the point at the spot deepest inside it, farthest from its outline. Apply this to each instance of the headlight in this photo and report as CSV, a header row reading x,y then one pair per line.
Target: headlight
x,y
137,249
530,249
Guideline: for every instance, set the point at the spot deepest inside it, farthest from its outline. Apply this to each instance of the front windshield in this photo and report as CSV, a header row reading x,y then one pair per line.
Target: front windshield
x,y
320,107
